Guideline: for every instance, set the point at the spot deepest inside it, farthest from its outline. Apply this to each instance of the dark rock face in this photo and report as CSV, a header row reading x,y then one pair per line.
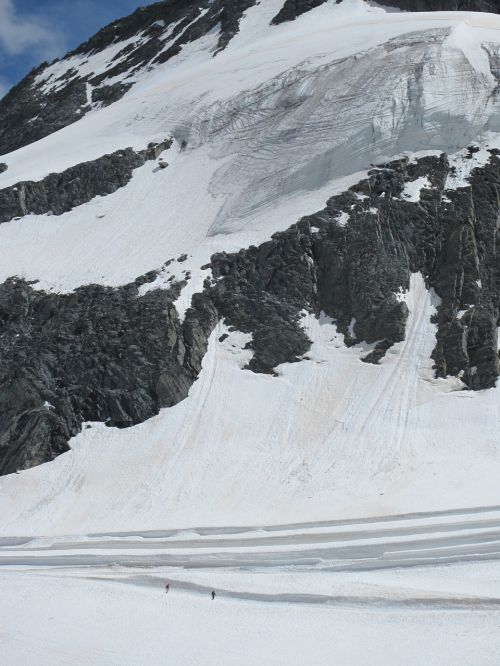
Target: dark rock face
x,y
491,6
26,114
3,167
467,278
262,291
353,272
293,8
106,95
97,354
60,192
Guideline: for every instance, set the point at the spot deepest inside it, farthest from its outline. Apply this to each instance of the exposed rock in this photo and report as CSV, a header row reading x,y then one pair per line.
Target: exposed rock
x,y
354,272
293,8
444,5
60,192
3,167
107,95
230,16
27,114
97,354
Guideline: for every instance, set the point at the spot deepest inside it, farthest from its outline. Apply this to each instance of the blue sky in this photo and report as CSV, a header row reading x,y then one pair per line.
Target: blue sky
x,y
33,31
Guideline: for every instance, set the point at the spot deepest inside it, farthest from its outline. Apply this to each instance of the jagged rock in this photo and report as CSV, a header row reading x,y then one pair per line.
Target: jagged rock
x,y
354,272
262,291
60,192
97,354
443,5
3,167
107,95
482,369
293,8
27,114
230,16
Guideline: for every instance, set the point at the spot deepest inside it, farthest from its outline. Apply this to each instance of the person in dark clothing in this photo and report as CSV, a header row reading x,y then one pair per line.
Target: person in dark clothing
x,y
213,595
167,588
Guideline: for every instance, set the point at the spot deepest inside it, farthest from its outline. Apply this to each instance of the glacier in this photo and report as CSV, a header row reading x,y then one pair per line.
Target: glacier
x,y
264,132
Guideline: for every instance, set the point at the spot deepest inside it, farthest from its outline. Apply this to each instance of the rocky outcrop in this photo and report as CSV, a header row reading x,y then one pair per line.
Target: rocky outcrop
x,y
444,5
97,354
60,192
466,275
27,114
106,95
353,259
293,8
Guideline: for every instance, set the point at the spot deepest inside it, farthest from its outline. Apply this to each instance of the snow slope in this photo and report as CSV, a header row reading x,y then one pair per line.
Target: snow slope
x,y
330,437
272,128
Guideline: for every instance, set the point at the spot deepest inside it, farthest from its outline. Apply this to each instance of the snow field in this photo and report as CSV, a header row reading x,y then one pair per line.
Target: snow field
x,y
53,620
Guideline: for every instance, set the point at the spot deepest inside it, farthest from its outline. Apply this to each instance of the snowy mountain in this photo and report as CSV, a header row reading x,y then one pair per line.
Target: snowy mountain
x,y
307,295
272,241
249,310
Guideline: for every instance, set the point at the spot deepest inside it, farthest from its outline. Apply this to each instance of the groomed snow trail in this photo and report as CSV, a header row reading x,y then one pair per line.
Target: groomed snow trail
x,y
400,588
102,620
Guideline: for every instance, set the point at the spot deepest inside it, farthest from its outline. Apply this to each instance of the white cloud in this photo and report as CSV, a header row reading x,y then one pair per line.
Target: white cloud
x,y
25,32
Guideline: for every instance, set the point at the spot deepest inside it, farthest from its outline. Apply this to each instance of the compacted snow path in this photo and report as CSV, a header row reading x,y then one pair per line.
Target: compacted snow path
x,y
329,592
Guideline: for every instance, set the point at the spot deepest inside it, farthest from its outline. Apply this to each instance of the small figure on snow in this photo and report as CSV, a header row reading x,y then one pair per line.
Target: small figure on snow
x,y
167,588
162,164
213,595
